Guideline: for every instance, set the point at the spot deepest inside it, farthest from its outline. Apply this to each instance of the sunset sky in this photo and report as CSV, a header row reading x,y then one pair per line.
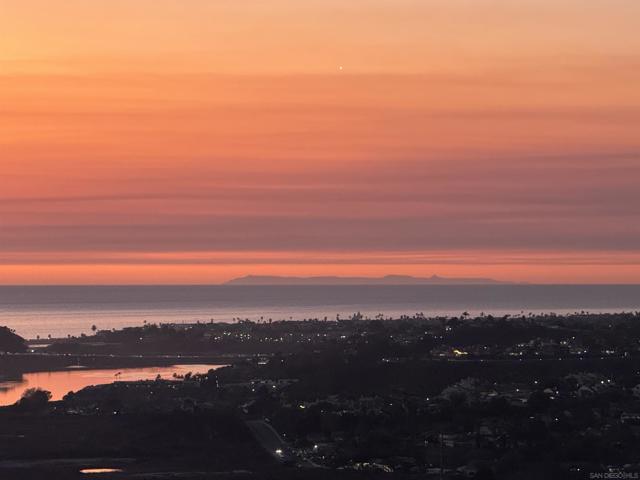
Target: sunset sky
x,y
191,141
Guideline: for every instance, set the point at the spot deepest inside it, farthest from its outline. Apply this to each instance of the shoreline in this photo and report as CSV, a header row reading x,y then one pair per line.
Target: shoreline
x,y
13,366
60,311
362,314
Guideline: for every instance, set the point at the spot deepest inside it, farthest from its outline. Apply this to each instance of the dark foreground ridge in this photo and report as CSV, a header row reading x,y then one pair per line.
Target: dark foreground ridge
x,y
524,397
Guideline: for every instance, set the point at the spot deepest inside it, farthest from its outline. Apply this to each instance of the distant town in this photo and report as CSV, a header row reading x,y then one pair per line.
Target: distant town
x,y
510,397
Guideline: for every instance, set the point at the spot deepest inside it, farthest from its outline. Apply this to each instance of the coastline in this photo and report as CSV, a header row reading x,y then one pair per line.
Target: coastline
x,y
13,366
73,310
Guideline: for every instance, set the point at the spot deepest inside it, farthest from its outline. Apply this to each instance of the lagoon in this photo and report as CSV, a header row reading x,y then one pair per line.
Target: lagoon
x,y
71,380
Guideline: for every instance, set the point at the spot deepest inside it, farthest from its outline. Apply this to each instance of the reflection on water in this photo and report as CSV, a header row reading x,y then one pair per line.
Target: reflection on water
x,y
61,383
100,470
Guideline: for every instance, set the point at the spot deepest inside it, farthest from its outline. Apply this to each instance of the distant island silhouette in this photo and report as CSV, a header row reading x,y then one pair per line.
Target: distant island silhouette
x,y
335,280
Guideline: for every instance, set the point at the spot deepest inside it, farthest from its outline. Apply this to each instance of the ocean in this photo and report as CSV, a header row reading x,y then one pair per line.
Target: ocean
x,y
71,310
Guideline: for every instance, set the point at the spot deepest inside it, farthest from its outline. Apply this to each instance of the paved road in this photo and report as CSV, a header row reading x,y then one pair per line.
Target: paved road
x,y
276,446
270,440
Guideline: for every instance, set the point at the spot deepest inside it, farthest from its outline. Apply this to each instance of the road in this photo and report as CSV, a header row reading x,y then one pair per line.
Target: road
x,y
275,444
270,440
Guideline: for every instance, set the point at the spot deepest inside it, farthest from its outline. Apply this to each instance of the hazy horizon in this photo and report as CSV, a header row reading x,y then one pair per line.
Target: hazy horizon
x,y
225,282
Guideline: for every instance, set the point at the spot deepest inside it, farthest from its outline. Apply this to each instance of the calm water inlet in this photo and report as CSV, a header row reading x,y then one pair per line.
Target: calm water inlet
x,y
61,383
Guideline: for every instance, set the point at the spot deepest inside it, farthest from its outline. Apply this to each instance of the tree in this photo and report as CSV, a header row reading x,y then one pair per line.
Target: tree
x,y
34,399
539,401
10,342
484,473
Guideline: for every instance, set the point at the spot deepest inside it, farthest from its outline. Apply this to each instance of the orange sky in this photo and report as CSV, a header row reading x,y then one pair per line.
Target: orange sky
x,y
173,141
